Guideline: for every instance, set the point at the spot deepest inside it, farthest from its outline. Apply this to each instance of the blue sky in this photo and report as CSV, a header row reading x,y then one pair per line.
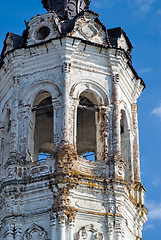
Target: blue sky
x,y
141,20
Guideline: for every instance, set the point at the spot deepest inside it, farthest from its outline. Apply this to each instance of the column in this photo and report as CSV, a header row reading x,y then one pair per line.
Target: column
x,y
9,233
140,228
18,231
118,230
62,230
71,231
127,154
53,223
116,116
123,235
136,145
76,103
106,112
71,225
71,123
61,226
66,67
132,155
57,122
118,234
102,134
110,231
118,163
28,133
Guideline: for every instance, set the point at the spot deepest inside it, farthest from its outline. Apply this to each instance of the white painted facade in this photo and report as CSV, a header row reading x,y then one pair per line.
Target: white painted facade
x,y
68,197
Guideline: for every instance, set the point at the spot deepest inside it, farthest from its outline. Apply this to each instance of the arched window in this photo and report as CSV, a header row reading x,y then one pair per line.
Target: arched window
x,y
87,125
43,132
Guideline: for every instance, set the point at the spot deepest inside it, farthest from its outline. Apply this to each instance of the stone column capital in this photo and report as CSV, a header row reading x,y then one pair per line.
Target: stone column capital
x,y
62,217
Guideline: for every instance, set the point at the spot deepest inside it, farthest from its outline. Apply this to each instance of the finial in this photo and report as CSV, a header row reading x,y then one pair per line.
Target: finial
x,y
67,9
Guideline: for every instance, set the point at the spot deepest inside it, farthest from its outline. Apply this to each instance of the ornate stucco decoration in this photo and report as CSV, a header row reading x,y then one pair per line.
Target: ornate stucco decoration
x,y
88,27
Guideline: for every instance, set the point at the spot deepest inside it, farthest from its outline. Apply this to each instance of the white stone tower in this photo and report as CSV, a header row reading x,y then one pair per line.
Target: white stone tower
x,y
69,146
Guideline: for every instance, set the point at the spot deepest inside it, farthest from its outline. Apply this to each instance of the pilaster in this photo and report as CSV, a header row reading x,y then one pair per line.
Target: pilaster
x,y
66,68
15,118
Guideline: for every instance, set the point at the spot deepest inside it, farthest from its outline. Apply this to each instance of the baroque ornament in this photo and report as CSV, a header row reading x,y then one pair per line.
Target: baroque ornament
x,y
67,9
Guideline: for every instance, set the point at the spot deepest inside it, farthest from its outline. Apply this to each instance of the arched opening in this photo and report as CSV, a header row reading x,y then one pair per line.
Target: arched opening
x,y
87,125
43,132
125,144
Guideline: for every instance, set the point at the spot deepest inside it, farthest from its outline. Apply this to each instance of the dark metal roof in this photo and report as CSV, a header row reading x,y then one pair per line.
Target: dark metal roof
x,y
115,33
17,42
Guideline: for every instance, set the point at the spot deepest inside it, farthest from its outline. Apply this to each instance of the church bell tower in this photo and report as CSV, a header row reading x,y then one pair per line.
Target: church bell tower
x,y
69,145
